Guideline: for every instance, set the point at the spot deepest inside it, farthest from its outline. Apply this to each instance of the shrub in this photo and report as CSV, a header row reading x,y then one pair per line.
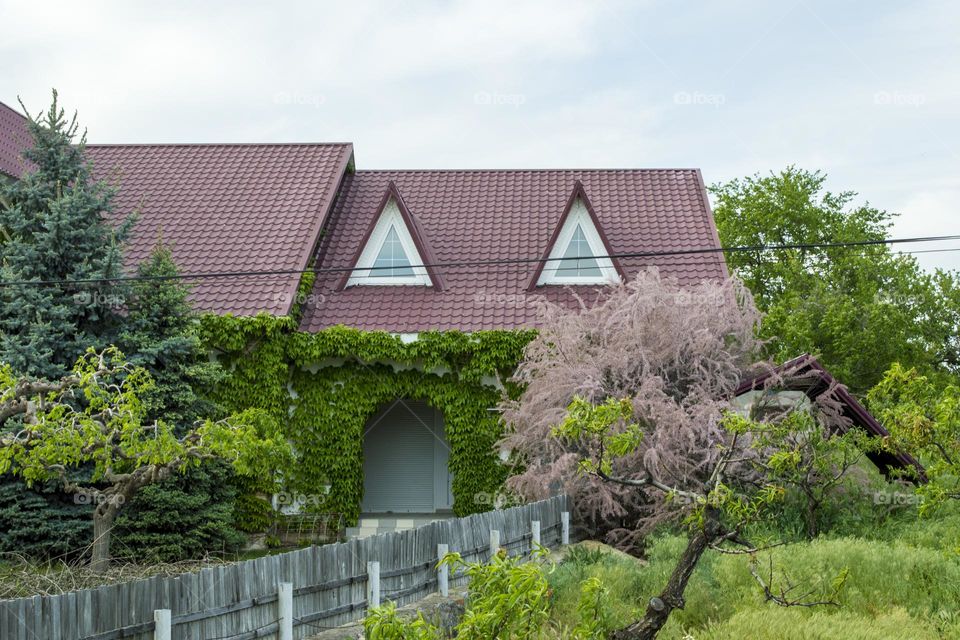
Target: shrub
x,y
42,523
186,516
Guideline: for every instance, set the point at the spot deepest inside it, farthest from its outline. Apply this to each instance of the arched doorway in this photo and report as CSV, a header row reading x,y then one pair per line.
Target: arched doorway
x,y
406,461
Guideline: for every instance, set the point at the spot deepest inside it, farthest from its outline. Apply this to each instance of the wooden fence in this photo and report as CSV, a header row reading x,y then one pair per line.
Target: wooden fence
x,y
329,585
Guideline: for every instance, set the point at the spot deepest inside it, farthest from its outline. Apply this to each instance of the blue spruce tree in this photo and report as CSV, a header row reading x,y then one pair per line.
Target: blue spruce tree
x,y
56,228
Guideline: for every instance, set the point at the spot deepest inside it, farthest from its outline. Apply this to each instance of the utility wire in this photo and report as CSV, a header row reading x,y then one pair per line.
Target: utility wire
x,y
499,262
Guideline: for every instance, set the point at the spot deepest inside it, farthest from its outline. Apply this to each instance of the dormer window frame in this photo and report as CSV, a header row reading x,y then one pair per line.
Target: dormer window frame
x,y
553,267
363,273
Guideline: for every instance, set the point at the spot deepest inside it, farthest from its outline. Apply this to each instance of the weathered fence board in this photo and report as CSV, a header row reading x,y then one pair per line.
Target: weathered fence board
x,y
240,601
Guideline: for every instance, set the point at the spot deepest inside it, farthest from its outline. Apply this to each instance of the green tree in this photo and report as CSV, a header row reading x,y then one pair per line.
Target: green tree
x,y
43,523
183,517
859,309
924,420
95,416
161,334
56,225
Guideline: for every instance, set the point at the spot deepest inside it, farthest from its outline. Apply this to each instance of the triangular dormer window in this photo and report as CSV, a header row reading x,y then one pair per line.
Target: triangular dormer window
x,y
392,261
391,255
578,254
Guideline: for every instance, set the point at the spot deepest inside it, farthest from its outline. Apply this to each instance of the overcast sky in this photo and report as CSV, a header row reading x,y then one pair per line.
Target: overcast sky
x,y
868,92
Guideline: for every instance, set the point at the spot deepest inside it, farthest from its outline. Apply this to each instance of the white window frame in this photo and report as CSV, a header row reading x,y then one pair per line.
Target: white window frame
x,y
578,216
362,275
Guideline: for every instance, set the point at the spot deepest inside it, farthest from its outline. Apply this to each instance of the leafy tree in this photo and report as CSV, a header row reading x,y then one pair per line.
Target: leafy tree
x,y
859,309
924,420
56,224
628,406
96,416
815,466
161,334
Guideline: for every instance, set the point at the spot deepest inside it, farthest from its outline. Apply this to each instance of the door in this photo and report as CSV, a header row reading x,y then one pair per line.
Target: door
x,y
405,456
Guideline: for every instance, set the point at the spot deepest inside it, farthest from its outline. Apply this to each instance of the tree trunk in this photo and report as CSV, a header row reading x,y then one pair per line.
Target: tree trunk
x,y
103,517
659,608
810,515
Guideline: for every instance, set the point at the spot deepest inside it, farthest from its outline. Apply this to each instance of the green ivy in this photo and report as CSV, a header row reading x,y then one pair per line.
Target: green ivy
x,y
340,377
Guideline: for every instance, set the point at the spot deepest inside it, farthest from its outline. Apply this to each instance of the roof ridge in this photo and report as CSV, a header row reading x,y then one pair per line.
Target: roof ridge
x,y
534,170
102,145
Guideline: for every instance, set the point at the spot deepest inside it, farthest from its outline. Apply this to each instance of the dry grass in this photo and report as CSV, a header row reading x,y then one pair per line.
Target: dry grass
x,y
21,577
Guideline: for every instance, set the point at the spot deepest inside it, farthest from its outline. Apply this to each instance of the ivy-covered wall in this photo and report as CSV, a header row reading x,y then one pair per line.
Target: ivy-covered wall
x,y
325,386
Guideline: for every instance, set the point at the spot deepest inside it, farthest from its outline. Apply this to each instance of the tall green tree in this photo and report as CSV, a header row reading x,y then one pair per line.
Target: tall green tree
x,y
161,334
859,309
57,228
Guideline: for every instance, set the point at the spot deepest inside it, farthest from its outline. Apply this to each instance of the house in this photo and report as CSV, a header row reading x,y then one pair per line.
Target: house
x,y
426,285
802,380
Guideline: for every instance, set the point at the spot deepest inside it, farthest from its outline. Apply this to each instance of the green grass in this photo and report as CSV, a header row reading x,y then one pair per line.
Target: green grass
x,y
903,582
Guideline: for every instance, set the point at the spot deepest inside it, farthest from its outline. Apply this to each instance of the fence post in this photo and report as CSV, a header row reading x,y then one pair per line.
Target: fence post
x,y
285,610
373,584
535,534
443,577
494,542
565,527
161,624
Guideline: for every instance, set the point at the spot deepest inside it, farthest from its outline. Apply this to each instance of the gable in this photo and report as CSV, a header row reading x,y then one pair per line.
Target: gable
x,y
390,255
578,253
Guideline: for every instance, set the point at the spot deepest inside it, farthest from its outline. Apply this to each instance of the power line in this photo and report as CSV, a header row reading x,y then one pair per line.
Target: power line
x,y
504,261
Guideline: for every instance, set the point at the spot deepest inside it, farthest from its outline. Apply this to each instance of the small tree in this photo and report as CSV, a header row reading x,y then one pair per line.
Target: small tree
x,y
813,464
627,405
924,420
96,415
160,334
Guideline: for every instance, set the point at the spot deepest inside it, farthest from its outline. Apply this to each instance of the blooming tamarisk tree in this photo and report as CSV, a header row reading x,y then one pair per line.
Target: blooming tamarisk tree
x,y
628,407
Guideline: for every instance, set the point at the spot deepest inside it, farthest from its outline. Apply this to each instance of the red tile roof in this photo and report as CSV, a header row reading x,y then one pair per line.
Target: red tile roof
x,y
227,208
14,138
502,215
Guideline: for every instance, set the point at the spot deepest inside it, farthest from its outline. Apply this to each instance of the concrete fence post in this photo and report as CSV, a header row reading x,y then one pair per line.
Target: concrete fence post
x,y
565,527
285,610
373,584
162,627
443,572
494,542
535,534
